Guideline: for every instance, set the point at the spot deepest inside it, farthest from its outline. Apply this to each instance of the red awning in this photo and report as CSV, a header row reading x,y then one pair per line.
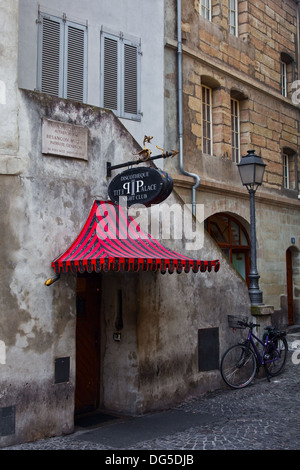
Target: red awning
x,y
111,240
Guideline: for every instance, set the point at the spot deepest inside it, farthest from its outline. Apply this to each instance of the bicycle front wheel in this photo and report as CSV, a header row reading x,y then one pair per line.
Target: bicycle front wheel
x,y
275,356
238,366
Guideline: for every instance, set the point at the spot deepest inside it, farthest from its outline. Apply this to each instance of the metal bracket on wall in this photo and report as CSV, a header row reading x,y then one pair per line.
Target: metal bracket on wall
x,y
110,167
53,279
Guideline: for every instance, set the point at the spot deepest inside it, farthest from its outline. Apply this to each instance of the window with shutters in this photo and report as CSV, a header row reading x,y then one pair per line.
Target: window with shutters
x,y
62,58
120,75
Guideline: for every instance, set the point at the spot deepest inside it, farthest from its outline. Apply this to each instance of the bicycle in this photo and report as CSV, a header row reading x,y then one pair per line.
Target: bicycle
x,y
242,361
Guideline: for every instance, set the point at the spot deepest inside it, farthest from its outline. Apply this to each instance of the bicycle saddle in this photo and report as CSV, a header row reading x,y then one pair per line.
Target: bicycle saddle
x,y
270,328
274,332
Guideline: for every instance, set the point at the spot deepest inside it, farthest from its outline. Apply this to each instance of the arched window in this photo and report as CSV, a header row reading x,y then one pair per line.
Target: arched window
x,y
233,240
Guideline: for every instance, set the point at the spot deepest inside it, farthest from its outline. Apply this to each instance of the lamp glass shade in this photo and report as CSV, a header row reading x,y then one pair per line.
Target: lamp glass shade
x,y
259,174
251,169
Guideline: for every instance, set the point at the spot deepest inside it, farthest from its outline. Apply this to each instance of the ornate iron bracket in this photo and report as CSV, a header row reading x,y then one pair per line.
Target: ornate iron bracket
x,y
144,156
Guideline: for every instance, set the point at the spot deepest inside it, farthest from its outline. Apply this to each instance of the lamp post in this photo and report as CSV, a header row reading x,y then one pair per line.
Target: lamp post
x,y
251,168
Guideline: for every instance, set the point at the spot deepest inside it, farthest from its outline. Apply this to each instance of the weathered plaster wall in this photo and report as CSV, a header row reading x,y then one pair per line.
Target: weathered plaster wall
x,y
172,308
42,210
9,139
155,364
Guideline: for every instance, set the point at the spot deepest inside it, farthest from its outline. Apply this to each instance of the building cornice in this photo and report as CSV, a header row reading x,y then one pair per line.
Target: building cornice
x,y
224,190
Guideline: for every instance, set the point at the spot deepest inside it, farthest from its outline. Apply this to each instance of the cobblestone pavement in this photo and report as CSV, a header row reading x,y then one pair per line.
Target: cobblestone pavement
x,y
262,416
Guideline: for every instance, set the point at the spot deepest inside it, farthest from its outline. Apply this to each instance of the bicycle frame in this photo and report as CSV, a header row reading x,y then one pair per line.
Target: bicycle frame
x,y
241,361
260,358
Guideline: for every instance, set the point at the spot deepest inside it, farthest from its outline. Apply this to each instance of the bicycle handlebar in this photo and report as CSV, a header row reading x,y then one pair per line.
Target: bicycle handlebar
x,y
240,322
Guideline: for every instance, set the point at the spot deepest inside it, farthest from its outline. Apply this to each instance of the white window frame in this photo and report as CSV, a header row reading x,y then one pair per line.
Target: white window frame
x,y
286,171
283,79
63,90
118,83
235,130
233,17
207,128
205,9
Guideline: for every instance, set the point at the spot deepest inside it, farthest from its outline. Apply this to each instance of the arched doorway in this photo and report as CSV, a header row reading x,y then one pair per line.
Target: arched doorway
x,y
233,239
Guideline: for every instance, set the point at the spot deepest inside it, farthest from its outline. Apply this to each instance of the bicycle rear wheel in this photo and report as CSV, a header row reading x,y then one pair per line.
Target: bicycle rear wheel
x,y
276,353
238,366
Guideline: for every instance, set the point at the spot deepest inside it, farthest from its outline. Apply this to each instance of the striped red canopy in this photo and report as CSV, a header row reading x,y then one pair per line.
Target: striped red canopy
x,y
111,240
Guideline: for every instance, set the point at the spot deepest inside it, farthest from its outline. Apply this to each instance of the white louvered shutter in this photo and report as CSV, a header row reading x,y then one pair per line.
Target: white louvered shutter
x,y
130,79
62,64
51,60
120,76
110,73
75,62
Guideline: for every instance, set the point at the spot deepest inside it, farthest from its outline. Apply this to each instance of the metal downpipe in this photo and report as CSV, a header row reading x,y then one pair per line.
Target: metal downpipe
x,y
180,114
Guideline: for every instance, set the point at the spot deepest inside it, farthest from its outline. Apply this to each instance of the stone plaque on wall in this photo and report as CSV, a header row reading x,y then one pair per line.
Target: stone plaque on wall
x,y
67,140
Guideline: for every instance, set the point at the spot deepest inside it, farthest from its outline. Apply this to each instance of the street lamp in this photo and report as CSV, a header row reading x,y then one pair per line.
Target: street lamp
x,y
252,168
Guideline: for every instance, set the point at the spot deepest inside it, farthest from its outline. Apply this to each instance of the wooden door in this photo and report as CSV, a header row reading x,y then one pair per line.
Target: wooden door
x,y
289,282
87,343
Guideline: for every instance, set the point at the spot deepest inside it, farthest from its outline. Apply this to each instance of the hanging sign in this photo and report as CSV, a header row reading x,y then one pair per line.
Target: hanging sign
x,y
144,185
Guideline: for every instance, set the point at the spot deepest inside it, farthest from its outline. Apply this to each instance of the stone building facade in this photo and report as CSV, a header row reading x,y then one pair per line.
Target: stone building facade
x,y
240,72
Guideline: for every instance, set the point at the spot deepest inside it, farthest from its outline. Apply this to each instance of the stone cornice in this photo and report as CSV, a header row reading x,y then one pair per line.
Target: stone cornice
x,y
222,189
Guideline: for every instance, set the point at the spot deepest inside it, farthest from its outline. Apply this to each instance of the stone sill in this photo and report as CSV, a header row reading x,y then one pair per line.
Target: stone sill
x,y
262,310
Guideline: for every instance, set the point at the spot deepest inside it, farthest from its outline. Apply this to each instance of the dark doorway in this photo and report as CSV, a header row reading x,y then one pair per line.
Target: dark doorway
x,y
88,301
289,286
